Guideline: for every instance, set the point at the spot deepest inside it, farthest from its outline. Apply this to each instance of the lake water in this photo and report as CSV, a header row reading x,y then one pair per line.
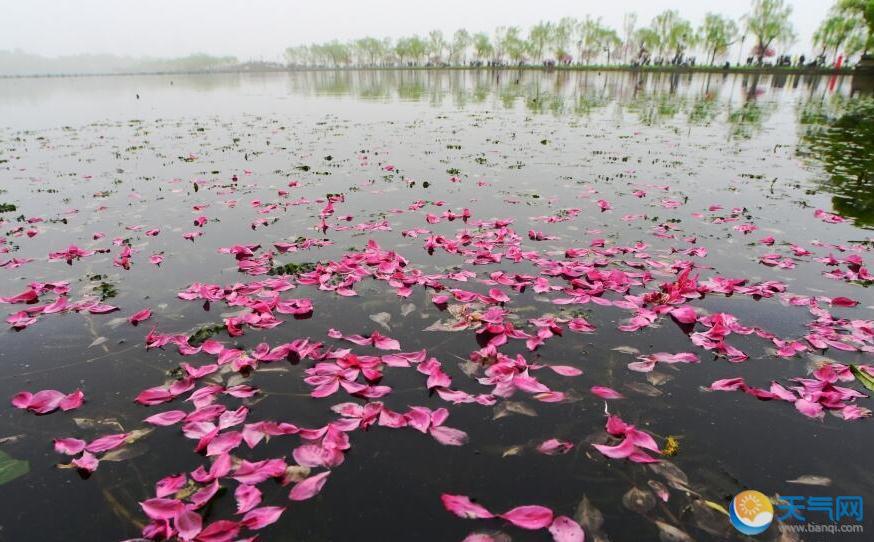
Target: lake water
x,y
645,175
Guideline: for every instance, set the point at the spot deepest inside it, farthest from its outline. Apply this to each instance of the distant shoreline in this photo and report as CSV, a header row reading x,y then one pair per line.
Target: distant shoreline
x,y
752,70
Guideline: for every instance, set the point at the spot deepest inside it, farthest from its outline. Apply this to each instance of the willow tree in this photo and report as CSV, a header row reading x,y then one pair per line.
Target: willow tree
x,y
664,26
461,40
482,46
513,44
436,45
768,21
836,31
716,35
589,32
412,48
562,37
539,37
681,37
865,10
647,40
629,26
369,50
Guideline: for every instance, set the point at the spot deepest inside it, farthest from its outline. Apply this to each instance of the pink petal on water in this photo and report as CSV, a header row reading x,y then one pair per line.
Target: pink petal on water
x,y
162,508
166,418
262,517
621,451
463,507
170,484
449,436
42,402
69,446
106,443
564,529
189,524
247,497
529,516
728,384
565,370
140,316
844,302
87,462
224,442
72,401
809,408
555,446
684,315
606,393
384,343
22,399
219,531
309,487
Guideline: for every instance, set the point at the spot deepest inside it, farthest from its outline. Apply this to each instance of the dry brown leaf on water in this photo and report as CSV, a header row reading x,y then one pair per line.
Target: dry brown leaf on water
x,y
588,516
505,408
639,500
669,533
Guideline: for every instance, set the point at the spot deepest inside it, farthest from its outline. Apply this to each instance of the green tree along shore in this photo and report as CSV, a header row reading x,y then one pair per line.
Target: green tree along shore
x,y
668,42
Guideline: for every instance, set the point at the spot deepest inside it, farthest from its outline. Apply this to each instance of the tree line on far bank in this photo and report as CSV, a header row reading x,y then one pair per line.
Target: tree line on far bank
x,y
669,39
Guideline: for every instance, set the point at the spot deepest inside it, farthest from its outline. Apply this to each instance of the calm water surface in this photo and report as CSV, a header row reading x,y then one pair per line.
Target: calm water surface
x,y
111,154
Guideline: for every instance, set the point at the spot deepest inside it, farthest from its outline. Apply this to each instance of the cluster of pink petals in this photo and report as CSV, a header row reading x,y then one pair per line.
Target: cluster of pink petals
x,y
71,253
531,517
811,396
60,305
634,442
46,401
89,460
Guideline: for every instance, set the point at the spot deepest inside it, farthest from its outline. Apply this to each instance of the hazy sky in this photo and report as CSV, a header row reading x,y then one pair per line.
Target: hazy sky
x,y
264,28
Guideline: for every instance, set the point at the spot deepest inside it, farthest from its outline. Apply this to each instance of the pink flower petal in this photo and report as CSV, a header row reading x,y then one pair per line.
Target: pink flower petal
x,y
87,462
262,517
529,516
247,497
606,393
564,529
565,370
448,436
555,446
162,508
188,523
69,446
463,507
309,487
169,417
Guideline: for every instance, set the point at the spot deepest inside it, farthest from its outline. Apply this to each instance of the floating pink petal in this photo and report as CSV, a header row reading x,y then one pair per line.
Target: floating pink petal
x,y
140,316
309,487
463,507
529,517
69,446
555,446
262,517
606,393
564,529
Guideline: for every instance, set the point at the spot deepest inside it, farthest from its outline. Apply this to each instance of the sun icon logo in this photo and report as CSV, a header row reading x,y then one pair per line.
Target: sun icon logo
x,y
751,512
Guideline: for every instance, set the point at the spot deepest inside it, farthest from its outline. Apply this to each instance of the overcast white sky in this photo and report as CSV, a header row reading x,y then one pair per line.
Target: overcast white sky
x,y
264,28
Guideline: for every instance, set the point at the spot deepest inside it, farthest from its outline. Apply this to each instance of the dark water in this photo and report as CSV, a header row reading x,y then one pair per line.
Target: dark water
x,y
87,155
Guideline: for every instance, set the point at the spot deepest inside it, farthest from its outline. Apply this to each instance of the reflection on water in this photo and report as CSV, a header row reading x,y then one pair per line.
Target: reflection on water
x,y
839,133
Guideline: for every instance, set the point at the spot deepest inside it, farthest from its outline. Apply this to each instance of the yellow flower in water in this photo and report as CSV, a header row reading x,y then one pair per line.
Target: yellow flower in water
x,y
671,447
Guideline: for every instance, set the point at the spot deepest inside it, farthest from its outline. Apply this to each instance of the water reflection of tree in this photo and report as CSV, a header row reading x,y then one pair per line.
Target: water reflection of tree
x,y
747,120
839,133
